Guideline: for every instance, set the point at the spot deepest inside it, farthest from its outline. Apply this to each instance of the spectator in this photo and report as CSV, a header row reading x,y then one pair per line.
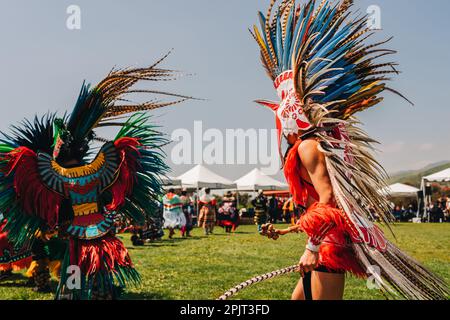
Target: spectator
x,y
280,208
187,210
273,209
207,215
289,211
409,213
447,210
173,213
397,213
260,205
436,213
228,216
442,201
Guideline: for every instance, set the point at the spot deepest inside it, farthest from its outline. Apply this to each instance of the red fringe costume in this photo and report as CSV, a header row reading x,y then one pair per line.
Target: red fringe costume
x,y
102,255
11,259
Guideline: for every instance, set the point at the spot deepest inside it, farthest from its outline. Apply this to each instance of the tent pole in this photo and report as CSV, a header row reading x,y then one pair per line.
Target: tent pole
x,y
427,200
198,202
424,199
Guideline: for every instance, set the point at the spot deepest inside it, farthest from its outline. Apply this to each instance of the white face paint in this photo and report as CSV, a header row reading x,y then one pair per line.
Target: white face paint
x,y
290,112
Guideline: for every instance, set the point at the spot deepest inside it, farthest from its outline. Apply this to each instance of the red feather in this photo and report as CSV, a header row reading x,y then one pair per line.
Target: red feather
x,y
297,187
327,225
127,148
320,217
104,254
33,196
5,245
339,256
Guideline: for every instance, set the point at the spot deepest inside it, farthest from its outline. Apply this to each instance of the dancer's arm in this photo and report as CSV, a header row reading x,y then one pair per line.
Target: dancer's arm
x,y
314,162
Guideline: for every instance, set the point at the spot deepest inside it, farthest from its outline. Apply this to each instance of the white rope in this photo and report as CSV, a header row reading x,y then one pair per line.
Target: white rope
x,y
257,279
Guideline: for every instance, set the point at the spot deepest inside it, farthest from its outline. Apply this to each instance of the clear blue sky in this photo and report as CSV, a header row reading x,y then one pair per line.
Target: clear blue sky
x,y
43,65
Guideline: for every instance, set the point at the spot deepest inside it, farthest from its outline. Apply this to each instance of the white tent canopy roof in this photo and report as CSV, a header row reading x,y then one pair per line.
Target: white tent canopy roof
x,y
201,177
443,176
171,181
256,180
399,189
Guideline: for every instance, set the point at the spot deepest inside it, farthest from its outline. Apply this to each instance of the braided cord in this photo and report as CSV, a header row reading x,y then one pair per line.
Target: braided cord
x,y
257,279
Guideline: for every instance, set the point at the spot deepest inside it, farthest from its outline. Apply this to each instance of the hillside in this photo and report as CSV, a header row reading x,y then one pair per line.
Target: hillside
x,y
414,177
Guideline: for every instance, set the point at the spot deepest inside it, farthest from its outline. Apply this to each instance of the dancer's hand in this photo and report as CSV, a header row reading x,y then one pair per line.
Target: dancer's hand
x,y
309,261
269,231
272,233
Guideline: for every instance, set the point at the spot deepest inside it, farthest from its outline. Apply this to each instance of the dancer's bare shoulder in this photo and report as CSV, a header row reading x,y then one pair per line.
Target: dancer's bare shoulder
x,y
309,153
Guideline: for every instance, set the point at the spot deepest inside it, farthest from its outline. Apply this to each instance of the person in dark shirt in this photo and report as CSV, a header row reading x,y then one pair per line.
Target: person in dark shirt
x,y
397,213
435,212
273,209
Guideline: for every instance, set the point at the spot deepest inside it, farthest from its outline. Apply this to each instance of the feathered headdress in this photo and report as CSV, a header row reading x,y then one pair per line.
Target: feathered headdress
x,y
68,137
324,73
318,59
102,105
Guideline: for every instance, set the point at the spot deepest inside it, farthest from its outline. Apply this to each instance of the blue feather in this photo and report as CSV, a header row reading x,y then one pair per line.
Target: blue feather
x,y
296,36
279,50
288,42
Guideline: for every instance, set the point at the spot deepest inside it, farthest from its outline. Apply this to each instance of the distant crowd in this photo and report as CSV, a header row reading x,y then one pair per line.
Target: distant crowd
x,y
180,211
435,212
438,211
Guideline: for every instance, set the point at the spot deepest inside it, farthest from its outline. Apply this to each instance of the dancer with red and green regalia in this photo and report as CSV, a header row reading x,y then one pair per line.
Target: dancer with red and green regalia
x,y
49,180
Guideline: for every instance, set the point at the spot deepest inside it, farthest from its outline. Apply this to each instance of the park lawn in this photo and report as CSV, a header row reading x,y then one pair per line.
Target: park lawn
x,y
204,267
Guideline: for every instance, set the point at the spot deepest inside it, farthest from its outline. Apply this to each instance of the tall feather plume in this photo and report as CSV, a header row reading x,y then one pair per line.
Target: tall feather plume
x,y
268,32
99,103
36,135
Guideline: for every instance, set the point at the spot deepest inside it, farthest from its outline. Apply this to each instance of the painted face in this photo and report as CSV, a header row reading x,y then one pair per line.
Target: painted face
x,y
289,114
290,111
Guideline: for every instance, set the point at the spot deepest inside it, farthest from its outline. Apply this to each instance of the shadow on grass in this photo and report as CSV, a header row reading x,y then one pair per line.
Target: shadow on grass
x,y
231,234
165,243
245,232
18,280
218,234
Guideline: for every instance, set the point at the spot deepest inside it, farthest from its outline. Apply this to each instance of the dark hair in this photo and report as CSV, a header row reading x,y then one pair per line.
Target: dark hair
x,y
290,146
171,190
74,149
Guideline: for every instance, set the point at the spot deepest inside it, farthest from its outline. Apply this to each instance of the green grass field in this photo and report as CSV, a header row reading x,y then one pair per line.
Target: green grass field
x,y
204,267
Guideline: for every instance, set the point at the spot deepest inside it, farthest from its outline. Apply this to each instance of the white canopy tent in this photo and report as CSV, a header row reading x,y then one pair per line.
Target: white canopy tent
x,y
442,176
201,177
256,180
400,190
171,181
